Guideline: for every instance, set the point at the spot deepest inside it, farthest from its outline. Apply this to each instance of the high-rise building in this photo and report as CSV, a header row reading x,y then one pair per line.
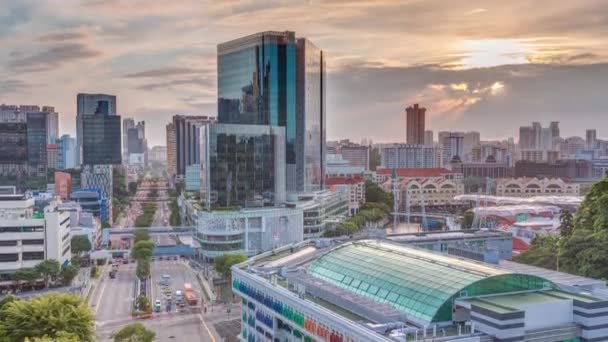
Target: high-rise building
x,y
354,154
591,138
171,151
52,156
187,141
99,178
242,165
452,147
274,79
471,139
127,123
428,137
554,127
37,137
526,138
415,124
134,143
101,140
66,147
92,104
13,142
52,124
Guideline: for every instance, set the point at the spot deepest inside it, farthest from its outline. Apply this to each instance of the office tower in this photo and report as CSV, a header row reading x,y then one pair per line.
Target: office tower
x,y
127,123
242,165
546,139
98,178
415,124
171,151
52,124
591,138
554,127
428,137
453,147
187,141
91,104
13,142
52,156
101,140
66,146
274,79
471,139
63,185
134,143
37,138
526,138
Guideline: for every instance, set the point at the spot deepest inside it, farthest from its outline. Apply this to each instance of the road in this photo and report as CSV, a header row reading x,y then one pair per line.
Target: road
x,y
112,298
113,308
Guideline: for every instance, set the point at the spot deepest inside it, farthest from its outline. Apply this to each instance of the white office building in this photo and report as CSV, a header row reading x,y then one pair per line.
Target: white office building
x,y
28,238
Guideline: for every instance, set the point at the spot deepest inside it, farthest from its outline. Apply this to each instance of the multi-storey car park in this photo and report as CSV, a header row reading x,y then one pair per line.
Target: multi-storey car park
x,y
376,290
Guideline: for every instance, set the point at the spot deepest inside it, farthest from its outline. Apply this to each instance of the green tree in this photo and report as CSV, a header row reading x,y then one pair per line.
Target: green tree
x,y
143,268
68,274
543,252
49,270
566,223
134,332
143,304
54,316
61,336
224,262
142,250
467,220
141,235
374,193
80,244
28,275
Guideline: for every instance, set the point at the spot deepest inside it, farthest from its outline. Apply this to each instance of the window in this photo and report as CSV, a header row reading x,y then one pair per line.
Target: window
x,y
32,256
66,236
33,242
8,243
9,257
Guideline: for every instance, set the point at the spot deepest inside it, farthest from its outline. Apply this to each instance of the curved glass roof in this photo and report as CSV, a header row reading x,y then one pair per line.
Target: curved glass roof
x,y
420,283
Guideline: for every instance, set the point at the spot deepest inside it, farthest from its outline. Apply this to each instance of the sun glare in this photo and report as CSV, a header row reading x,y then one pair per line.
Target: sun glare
x,y
486,53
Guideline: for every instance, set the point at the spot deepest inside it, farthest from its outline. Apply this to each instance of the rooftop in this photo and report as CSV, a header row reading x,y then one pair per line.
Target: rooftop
x,y
416,172
343,180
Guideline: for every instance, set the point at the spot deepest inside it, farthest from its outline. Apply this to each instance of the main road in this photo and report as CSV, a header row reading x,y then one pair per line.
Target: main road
x,y
114,297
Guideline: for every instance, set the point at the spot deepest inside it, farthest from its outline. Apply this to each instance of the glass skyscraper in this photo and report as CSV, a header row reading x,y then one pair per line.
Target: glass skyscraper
x,y
242,165
91,104
274,79
101,140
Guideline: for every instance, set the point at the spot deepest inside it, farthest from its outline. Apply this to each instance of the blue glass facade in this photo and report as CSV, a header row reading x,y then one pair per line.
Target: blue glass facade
x,y
242,165
258,85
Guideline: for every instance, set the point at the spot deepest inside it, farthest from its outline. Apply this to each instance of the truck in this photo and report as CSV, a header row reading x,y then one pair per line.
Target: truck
x,y
189,294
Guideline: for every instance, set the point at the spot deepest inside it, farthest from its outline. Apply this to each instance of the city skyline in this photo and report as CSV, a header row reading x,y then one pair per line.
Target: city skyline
x,y
483,72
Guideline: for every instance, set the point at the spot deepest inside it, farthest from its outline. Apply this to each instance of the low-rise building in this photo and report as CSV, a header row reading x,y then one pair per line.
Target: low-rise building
x,y
485,170
352,187
63,185
530,187
376,290
91,201
247,231
320,208
409,156
28,237
337,166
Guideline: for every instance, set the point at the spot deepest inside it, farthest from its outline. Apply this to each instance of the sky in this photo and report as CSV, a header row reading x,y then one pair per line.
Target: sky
x,y
489,66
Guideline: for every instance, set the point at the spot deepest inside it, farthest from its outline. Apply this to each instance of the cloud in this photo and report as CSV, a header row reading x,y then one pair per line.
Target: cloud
x,y
53,57
198,82
9,86
164,72
61,36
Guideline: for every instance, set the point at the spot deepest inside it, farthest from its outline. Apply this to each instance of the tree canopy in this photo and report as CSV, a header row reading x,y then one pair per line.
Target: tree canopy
x,y
80,244
134,332
49,270
52,317
224,262
582,249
